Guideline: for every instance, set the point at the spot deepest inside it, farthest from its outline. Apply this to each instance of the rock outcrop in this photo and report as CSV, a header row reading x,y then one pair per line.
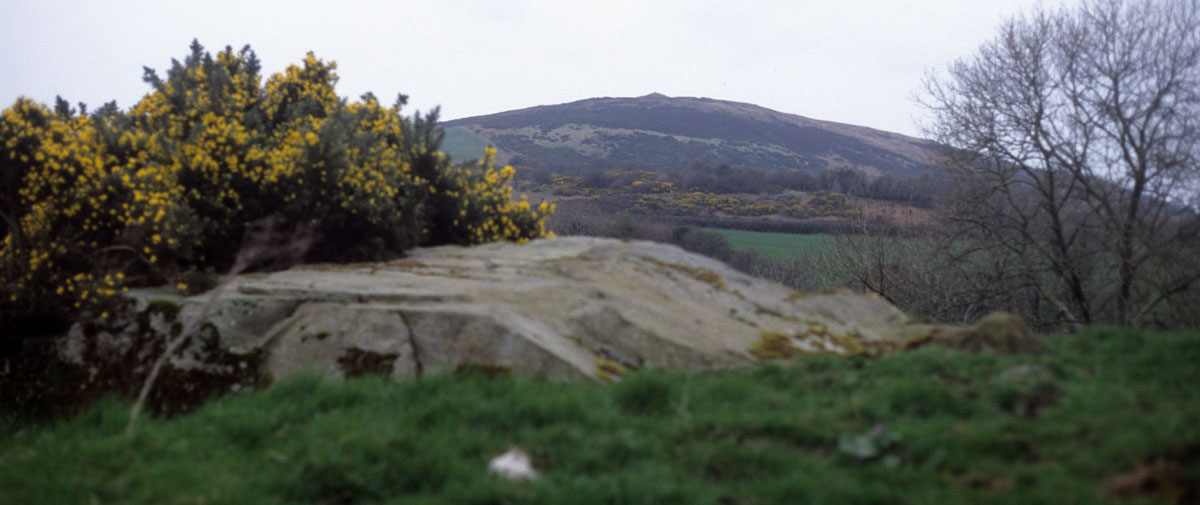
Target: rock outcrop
x,y
562,308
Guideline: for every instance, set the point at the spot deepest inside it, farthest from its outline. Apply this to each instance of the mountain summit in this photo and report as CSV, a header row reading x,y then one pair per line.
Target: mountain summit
x,y
675,133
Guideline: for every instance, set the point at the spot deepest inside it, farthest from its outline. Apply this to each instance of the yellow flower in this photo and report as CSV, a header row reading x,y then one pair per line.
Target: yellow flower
x,y
181,286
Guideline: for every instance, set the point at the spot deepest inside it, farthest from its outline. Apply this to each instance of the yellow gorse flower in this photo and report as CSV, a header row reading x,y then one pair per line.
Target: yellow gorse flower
x,y
139,196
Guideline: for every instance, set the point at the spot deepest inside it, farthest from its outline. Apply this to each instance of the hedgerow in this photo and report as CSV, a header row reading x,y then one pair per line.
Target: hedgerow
x,y
695,203
92,204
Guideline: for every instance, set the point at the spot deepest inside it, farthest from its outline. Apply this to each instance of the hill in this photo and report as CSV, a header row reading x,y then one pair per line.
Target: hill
x,y
676,133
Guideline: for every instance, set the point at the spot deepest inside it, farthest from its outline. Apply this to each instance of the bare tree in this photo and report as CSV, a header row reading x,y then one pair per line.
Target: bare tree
x,y
1073,139
922,270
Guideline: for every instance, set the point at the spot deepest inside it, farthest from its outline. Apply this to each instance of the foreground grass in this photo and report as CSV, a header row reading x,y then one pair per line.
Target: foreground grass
x,y
780,246
929,426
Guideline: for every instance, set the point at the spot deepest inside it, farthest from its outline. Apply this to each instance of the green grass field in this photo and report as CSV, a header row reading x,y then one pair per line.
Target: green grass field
x,y
780,246
462,145
1104,411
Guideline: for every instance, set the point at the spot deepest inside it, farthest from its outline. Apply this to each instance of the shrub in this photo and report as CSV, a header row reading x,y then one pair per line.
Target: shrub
x,y
822,204
92,204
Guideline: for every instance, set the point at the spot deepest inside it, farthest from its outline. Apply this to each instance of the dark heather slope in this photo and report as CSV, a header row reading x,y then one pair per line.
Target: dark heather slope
x,y
656,131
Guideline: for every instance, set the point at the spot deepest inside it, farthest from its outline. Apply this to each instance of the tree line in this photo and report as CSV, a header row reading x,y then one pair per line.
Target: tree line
x,y
919,190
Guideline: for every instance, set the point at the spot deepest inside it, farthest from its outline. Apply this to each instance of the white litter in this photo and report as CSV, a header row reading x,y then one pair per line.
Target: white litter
x,y
513,465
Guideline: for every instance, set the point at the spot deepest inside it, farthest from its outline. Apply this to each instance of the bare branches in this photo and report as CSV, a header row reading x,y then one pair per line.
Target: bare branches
x,y
1073,139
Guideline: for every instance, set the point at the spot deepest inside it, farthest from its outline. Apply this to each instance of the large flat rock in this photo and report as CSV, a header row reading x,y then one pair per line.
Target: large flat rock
x,y
561,308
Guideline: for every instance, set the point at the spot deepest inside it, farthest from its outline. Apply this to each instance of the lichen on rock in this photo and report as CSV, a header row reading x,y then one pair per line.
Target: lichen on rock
x,y
563,309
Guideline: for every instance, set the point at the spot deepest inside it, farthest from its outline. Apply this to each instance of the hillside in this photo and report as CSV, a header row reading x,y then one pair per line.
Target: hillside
x,y
675,133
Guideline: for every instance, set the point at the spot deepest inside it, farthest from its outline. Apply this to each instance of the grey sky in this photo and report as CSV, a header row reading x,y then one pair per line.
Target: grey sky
x,y
852,61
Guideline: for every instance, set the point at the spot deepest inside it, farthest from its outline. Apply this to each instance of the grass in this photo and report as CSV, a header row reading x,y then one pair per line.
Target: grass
x,y
463,145
928,426
780,246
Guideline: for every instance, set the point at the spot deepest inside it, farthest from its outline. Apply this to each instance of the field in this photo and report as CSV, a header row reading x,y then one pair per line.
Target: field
x,y
780,246
462,145
1104,416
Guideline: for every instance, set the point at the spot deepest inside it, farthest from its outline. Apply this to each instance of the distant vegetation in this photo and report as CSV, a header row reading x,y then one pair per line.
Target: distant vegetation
x,y
672,134
1105,416
916,190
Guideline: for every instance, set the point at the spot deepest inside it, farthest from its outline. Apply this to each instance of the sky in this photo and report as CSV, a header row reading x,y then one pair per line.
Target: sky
x,y
851,61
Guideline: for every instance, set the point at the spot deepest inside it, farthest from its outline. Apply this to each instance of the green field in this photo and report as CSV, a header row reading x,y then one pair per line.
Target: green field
x,y
1104,416
462,145
781,246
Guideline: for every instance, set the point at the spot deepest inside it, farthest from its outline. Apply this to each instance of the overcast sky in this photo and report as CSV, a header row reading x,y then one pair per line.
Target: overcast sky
x,y
852,61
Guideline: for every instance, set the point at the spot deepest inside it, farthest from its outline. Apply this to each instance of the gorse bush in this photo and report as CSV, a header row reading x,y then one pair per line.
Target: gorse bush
x,y
821,204
94,203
